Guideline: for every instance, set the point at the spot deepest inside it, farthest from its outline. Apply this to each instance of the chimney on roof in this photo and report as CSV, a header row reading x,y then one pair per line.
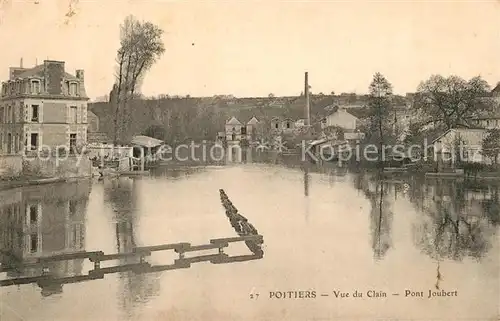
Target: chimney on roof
x,y
80,74
54,75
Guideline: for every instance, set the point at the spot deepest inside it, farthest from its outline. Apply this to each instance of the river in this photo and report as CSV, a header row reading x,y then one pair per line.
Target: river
x,y
324,233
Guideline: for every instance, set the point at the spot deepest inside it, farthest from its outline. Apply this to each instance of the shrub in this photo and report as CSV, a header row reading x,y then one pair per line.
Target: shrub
x,y
10,174
62,151
31,169
472,169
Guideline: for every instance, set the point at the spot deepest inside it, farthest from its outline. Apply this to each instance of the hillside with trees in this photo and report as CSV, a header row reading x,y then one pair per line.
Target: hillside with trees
x,y
176,119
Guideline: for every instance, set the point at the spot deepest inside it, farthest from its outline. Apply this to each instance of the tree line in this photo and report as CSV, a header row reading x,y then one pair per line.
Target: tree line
x,y
440,103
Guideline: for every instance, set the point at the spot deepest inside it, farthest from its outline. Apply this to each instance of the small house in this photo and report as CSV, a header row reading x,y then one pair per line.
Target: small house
x,y
234,130
462,144
343,119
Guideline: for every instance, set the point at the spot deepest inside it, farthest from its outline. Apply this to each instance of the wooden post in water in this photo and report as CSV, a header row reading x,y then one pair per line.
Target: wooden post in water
x,y
142,159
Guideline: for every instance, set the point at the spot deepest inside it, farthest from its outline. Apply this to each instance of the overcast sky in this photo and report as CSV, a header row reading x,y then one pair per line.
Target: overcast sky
x,y
255,48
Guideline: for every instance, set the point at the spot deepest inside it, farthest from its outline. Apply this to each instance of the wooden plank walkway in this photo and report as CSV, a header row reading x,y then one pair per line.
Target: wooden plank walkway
x,y
242,226
141,267
246,231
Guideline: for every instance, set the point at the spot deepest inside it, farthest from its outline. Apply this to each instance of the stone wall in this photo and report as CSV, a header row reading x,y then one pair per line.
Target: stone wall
x,y
11,165
71,166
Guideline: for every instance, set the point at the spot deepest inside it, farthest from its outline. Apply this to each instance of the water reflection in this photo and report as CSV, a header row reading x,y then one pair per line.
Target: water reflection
x,y
38,222
122,195
381,215
459,218
386,219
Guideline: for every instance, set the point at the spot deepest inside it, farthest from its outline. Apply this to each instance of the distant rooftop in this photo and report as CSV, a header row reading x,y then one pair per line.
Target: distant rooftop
x,y
233,121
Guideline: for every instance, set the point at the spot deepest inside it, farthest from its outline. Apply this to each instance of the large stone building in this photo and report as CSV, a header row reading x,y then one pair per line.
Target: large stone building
x,y
42,106
43,222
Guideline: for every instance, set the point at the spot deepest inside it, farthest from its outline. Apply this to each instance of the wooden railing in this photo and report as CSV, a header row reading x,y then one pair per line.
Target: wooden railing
x,y
246,231
141,266
241,225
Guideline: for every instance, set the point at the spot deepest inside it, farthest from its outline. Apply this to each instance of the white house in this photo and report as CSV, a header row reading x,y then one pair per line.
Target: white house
x,y
234,130
341,118
446,147
252,129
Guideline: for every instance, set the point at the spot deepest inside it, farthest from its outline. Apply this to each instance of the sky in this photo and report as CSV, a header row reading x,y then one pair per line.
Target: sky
x,y
254,48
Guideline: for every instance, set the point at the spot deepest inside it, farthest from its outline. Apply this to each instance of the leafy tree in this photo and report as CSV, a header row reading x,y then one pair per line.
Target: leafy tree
x,y
334,131
413,133
379,108
155,131
140,47
452,101
491,145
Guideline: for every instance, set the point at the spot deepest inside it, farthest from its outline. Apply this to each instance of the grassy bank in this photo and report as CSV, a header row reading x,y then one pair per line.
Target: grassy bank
x,y
24,180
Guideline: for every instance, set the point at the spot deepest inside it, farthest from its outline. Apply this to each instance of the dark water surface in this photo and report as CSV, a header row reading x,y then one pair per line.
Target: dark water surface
x,y
351,232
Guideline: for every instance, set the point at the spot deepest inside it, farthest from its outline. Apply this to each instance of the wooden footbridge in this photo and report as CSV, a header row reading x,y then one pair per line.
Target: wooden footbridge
x,y
247,233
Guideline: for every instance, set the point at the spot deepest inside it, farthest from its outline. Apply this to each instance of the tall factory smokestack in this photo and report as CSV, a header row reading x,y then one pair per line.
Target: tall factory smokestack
x,y
306,93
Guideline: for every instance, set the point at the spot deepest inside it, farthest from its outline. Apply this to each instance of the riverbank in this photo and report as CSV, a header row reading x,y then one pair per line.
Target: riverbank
x,y
10,183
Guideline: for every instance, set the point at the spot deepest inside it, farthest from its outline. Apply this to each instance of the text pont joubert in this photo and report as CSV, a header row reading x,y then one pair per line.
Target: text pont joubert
x,y
377,294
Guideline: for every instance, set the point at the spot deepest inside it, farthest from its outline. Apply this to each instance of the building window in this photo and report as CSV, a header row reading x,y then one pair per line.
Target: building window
x,y
34,243
488,123
33,214
276,125
72,143
2,111
72,208
16,143
34,141
74,236
9,114
34,113
72,89
9,143
73,114
288,125
243,130
35,86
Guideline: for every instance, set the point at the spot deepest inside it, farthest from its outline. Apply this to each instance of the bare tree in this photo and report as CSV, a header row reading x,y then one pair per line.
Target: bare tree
x,y
452,101
140,47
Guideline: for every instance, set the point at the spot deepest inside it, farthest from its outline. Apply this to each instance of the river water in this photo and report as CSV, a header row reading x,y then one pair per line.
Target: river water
x,y
324,233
